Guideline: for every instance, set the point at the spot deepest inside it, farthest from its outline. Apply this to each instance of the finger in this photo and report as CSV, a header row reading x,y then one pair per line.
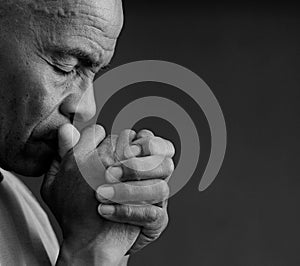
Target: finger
x,y
150,216
144,133
124,141
150,167
162,204
155,146
90,138
132,151
113,174
141,192
153,221
106,150
68,137
147,236
116,174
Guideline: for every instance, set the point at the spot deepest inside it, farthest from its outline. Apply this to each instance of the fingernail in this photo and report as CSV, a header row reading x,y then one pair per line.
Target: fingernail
x,y
114,174
106,192
106,209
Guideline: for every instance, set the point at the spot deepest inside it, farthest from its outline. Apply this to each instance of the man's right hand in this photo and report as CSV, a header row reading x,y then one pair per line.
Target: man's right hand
x,y
86,240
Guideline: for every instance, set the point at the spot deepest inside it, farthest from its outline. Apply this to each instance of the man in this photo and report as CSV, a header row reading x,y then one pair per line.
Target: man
x,y
50,53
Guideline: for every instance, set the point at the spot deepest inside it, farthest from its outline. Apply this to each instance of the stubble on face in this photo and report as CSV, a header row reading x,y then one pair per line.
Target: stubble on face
x,y
90,26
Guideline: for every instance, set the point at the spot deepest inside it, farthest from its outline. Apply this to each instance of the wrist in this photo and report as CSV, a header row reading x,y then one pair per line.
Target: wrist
x,y
75,252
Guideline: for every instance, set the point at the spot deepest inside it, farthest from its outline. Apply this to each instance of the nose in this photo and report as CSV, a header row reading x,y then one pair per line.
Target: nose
x,y
79,106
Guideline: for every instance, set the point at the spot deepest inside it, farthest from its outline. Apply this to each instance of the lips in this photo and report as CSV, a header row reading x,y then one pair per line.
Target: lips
x,y
50,138
45,135
52,143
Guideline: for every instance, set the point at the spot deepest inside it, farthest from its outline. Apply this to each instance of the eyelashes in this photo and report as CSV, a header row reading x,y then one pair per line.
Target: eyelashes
x,y
106,67
63,72
70,72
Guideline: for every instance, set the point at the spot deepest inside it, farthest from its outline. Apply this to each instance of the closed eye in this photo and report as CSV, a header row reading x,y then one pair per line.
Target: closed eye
x,y
63,71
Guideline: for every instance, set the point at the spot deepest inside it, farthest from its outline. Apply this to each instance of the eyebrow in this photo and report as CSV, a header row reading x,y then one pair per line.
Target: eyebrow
x,y
83,56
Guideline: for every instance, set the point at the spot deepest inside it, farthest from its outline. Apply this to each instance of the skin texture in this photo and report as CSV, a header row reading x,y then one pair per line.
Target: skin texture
x,y
50,53
73,203
36,96
144,192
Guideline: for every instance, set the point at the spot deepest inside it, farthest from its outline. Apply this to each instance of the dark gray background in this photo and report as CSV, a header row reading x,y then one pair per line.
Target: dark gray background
x,y
249,56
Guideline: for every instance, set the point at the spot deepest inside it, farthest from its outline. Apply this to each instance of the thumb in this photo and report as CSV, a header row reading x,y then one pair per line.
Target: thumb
x,y
68,137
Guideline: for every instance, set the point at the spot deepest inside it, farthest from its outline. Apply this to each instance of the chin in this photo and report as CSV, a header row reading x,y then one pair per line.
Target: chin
x,y
29,167
33,169
28,163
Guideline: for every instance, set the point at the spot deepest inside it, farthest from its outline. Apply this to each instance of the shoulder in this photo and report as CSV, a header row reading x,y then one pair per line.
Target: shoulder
x,y
30,215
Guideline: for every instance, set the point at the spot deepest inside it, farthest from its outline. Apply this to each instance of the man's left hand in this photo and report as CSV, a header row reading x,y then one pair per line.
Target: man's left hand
x,y
137,191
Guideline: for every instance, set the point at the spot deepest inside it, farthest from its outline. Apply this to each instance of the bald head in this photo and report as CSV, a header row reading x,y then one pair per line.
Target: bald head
x,y
109,11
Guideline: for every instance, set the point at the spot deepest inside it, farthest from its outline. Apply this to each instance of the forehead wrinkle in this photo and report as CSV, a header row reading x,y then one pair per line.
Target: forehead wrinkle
x,y
61,8
52,10
96,49
89,30
72,7
61,11
84,21
102,45
103,12
108,20
96,28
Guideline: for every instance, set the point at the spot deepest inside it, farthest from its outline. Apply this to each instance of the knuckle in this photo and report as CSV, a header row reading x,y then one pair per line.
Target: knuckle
x,y
132,168
161,221
151,214
155,144
165,190
158,145
110,140
127,192
171,148
127,152
169,166
134,164
125,211
145,132
99,130
128,132
106,150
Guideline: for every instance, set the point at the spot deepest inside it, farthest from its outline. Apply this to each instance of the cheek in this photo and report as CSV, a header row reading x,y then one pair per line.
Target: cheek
x,y
22,93
42,93
32,95
32,101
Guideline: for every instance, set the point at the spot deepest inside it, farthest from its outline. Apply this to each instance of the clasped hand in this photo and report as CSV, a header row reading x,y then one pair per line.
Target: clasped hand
x,y
129,210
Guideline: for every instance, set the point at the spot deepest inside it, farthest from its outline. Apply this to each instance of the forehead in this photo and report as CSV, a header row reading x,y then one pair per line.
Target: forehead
x,y
98,22
67,8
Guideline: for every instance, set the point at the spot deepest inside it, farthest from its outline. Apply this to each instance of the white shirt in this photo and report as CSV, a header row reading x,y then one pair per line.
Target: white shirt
x,y
26,235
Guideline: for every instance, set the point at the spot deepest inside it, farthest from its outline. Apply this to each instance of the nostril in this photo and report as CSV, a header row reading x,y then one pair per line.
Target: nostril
x,y
67,112
79,106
